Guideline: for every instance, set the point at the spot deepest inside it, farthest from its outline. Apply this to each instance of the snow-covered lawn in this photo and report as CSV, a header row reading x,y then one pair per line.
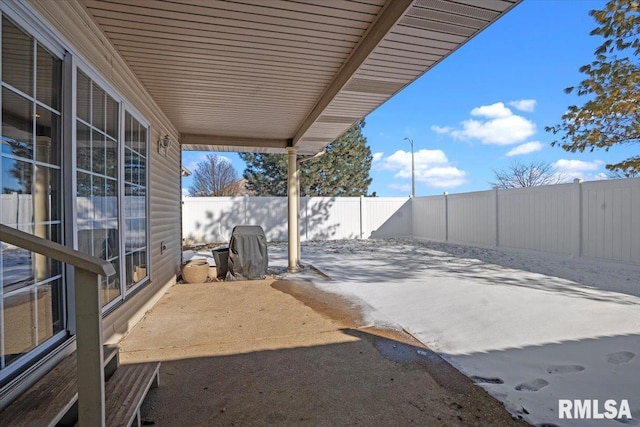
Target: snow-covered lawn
x,y
530,328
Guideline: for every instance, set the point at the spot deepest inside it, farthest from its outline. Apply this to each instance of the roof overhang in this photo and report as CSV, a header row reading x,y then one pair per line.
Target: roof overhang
x,y
264,74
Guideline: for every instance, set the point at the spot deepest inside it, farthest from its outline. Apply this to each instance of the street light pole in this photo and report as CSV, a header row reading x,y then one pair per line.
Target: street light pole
x,y
413,170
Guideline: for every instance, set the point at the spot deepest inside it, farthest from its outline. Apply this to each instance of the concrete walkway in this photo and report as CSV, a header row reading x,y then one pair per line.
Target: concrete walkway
x,y
284,353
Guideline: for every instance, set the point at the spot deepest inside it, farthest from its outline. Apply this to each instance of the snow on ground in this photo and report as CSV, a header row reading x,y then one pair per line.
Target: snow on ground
x,y
530,328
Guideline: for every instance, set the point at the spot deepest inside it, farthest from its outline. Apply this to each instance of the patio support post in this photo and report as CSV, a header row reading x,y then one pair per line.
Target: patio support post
x,y
292,195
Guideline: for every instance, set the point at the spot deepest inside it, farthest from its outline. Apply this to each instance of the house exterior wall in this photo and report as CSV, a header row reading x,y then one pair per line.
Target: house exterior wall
x,y
71,23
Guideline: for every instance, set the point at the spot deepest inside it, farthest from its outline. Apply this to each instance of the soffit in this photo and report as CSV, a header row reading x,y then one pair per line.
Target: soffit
x,y
250,75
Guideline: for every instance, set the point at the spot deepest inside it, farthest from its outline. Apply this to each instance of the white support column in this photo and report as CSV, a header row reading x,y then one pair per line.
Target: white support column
x,y
91,411
294,226
298,209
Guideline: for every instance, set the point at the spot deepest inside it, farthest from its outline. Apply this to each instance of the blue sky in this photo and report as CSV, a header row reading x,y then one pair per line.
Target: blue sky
x,y
484,106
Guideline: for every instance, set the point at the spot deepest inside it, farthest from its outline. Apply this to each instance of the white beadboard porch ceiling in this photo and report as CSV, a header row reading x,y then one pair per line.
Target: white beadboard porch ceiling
x,y
256,75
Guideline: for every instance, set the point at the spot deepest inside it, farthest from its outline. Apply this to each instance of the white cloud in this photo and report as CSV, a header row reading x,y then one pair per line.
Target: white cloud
x,y
529,147
192,165
572,169
493,111
441,129
565,165
377,156
432,168
528,105
442,177
496,125
185,192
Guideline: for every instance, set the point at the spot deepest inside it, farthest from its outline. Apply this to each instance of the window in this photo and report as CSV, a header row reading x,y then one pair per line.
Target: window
x,y
31,285
97,179
106,158
111,194
135,201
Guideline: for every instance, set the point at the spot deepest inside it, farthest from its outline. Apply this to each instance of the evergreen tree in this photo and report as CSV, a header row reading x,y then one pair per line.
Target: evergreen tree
x,y
612,86
342,171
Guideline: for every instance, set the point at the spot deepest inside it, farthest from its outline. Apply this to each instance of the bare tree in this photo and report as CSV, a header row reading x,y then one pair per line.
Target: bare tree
x,y
214,176
519,174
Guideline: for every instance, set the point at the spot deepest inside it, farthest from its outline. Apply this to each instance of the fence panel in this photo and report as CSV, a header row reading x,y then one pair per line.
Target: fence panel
x,y
211,219
271,214
537,218
472,218
430,217
611,220
390,216
331,218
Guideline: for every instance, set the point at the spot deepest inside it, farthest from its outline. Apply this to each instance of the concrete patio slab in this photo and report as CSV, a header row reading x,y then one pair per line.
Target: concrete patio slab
x,y
284,353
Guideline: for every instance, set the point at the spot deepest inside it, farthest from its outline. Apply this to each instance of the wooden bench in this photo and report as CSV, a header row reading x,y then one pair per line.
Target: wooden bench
x,y
52,400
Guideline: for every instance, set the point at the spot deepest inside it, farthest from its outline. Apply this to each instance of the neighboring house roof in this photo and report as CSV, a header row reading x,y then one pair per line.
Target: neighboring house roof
x,y
185,172
236,188
261,76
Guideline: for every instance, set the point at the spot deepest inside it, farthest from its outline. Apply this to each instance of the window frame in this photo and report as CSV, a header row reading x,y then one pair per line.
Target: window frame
x,y
123,108
30,28
35,25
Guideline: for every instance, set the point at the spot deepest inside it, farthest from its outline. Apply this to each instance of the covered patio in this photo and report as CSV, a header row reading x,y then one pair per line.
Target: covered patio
x,y
282,76
135,83
282,352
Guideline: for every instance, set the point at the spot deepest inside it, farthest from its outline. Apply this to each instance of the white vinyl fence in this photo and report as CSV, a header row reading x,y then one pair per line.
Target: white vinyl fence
x,y
211,219
598,219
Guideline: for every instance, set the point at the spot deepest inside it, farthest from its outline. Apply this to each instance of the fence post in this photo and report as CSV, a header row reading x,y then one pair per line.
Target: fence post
x,y
246,208
496,223
306,218
361,216
576,232
446,216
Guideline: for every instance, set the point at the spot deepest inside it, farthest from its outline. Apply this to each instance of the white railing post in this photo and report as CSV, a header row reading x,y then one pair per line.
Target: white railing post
x,y
90,359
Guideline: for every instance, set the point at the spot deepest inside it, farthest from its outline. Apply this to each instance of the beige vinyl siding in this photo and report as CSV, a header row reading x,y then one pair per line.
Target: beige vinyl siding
x,y
82,37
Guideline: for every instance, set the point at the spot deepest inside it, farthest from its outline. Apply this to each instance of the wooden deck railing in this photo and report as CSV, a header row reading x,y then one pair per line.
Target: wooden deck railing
x,y
88,315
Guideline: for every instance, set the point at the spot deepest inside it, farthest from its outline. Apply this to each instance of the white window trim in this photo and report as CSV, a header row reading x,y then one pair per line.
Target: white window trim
x,y
27,22
124,107
146,279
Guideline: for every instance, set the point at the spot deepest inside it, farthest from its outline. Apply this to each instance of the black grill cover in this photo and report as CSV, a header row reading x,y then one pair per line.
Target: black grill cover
x,y
248,258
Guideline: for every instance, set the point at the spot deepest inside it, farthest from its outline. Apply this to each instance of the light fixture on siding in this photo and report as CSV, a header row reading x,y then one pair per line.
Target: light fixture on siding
x,y
163,145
